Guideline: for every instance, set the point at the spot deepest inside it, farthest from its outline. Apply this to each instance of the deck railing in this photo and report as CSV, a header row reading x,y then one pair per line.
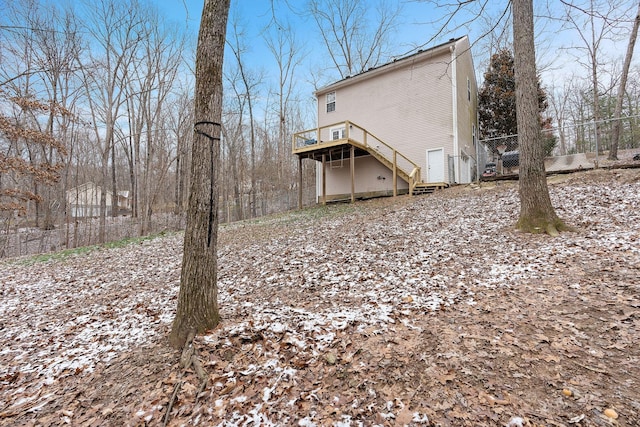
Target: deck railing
x,y
348,132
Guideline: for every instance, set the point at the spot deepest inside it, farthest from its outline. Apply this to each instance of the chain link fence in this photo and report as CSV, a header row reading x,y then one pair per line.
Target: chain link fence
x,y
499,156
570,147
80,232
266,203
462,169
19,240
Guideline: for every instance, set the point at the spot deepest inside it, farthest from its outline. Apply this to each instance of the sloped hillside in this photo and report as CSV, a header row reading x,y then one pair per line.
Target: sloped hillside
x,y
427,311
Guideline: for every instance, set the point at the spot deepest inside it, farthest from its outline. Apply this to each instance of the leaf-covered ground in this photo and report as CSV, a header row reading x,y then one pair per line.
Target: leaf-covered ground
x,y
426,311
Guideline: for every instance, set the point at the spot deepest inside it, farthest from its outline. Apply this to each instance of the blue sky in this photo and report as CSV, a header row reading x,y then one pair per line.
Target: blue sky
x,y
254,16
258,13
420,21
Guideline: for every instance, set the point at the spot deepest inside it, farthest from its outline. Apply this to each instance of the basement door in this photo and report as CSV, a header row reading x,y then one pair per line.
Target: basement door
x,y
435,165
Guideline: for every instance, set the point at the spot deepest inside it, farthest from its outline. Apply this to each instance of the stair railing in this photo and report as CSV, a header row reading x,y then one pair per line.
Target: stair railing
x,y
353,133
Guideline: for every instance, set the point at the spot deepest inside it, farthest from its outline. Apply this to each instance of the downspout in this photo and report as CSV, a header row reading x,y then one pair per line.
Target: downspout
x,y
454,90
476,141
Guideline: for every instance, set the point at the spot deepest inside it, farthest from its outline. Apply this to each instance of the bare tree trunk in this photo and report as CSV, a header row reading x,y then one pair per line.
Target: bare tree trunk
x,y
249,84
536,212
146,177
116,41
563,138
286,52
177,180
602,21
597,115
198,299
114,184
104,180
252,200
133,195
559,100
615,135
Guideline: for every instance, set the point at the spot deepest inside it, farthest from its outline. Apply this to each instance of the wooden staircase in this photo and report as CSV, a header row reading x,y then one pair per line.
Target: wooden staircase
x,y
418,188
426,188
389,163
314,142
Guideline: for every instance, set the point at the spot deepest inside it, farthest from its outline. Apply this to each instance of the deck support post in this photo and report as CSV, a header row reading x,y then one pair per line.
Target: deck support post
x,y
395,173
324,179
352,162
305,146
299,182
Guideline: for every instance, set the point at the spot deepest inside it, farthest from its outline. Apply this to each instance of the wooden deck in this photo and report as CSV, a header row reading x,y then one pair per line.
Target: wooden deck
x,y
321,144
331,142
348,140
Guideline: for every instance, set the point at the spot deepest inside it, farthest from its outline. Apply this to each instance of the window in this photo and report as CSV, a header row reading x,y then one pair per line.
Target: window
x,y
468,89
337,133
331,102
473,134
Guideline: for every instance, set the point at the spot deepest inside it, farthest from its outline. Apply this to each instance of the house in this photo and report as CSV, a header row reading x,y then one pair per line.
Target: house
x,y
84,200
408,126
124,201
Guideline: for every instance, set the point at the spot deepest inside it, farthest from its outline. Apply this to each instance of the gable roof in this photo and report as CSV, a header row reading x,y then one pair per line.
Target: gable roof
x,y
86,187
389,66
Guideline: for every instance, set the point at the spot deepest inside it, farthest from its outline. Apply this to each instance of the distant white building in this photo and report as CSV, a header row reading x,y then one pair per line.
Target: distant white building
x,y
84,200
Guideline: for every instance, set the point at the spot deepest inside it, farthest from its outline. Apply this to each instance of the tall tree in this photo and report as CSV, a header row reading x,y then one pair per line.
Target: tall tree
x,y
181,126
497,98
249,83
39,47
559,101
615,137
116,30
197,308
288,55
156,73
57,44
536,211
354,44
497,104
234,143
497,101
595,23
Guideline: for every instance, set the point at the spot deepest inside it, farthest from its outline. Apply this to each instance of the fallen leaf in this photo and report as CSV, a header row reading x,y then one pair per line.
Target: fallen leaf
x,y
611,413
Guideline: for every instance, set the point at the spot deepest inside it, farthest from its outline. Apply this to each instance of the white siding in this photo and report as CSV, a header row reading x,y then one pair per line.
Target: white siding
x,y
84,200
370,176
467,109
408,105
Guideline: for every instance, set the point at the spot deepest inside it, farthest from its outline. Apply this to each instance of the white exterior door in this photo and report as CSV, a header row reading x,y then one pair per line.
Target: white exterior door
x,y
435,165
464,169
